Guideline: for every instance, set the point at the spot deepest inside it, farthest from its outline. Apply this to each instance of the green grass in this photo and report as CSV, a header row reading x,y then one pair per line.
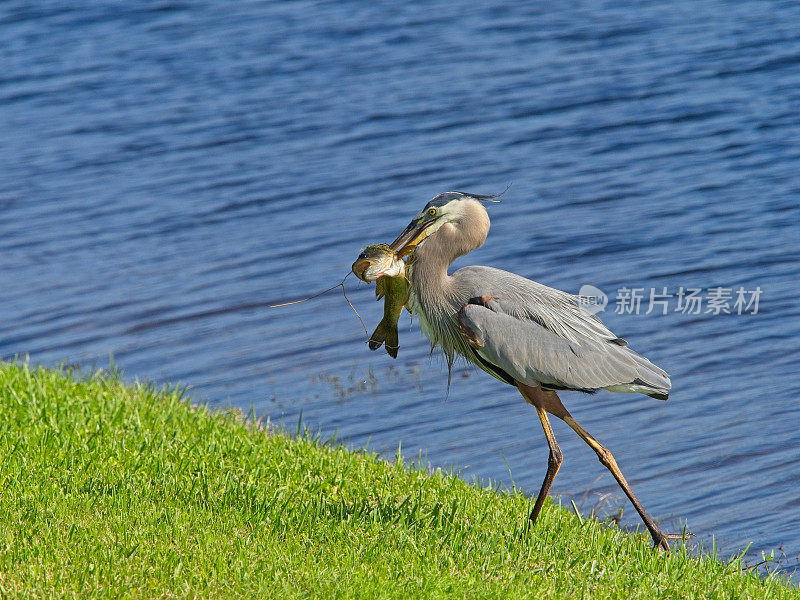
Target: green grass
x,y
110,490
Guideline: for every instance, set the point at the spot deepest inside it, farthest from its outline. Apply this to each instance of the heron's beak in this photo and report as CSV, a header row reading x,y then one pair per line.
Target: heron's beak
x,y
410,238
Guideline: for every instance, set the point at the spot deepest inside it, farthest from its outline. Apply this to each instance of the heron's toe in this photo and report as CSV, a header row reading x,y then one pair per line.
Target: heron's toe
x,y
661,540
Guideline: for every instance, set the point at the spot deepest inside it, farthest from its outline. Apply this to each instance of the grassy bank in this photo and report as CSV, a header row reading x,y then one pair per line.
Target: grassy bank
x,y
109,490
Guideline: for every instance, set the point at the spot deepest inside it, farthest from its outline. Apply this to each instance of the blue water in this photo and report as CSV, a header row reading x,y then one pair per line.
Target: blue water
x,y
170,169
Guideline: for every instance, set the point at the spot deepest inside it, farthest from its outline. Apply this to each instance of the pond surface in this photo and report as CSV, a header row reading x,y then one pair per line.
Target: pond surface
x,y
170,169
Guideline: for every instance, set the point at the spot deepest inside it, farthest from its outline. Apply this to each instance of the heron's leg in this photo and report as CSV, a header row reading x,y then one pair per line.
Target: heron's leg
x,y
545,402
607,459
553,464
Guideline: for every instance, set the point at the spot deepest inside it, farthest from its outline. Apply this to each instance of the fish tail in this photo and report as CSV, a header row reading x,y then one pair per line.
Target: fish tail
x,y
378,336
392,342
385,332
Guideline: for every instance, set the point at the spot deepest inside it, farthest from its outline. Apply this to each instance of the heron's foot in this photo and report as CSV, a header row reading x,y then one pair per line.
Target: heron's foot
x,y
530,522
533,517
661,539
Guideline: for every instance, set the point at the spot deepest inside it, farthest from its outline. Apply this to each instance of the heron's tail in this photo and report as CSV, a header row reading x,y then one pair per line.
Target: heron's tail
x,y
385,333
650,380
654,378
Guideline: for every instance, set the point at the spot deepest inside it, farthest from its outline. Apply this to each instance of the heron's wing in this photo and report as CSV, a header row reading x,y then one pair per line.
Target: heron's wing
x,y
537,334
517,296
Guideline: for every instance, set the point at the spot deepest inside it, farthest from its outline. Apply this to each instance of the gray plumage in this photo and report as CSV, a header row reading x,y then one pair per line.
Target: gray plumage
x,y
554,342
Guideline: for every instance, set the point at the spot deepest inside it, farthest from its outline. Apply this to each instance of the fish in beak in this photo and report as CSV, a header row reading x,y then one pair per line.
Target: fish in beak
x,y
377,261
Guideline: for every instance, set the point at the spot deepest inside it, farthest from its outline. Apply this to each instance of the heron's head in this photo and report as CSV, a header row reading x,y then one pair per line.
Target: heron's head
x,y
458,208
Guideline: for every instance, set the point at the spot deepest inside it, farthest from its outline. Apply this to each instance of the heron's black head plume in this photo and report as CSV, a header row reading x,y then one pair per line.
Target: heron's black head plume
x,y
445,197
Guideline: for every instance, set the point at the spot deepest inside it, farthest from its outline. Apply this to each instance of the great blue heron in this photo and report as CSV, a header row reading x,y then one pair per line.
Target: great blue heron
x,y
526,334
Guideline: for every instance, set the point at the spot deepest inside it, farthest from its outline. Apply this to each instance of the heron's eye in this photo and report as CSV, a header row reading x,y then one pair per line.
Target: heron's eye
x,y
431,212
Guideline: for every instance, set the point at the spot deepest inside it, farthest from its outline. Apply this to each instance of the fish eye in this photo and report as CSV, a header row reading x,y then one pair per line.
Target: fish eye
x,y
431,212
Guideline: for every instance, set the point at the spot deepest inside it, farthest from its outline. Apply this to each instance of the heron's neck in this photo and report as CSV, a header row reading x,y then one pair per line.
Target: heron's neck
x,y
431,260
434,288
435,295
